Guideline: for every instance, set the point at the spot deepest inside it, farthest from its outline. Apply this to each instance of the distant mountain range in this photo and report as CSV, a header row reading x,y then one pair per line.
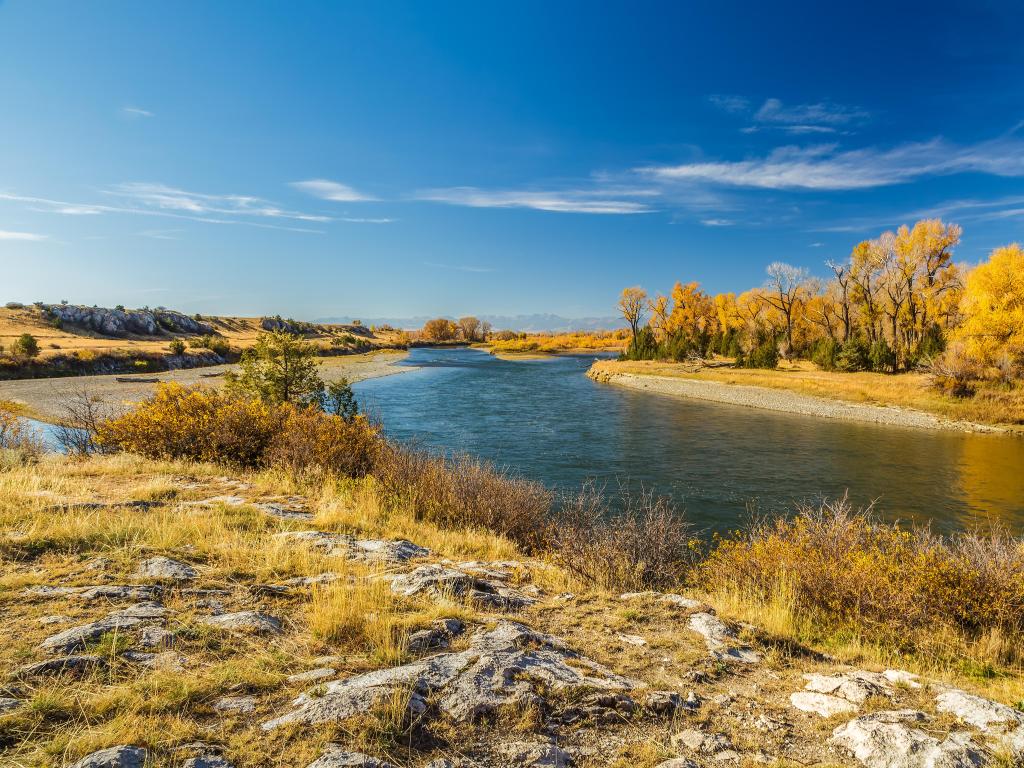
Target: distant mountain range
x,y
530,323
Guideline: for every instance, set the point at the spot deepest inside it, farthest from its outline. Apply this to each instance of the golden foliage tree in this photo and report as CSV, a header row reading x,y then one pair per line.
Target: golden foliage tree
x,y
993,308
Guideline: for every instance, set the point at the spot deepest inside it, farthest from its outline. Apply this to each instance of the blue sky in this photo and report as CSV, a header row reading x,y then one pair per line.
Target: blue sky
x,y
400,159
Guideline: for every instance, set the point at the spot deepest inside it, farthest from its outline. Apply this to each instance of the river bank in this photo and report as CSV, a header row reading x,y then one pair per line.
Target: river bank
x,y
42,399
725,386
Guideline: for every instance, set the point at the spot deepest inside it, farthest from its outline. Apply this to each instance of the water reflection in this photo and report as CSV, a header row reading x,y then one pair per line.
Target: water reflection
x,y
545,419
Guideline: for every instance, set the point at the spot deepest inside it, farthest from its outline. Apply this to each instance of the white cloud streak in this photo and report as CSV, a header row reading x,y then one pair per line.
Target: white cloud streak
x,y
23,236
136,112
808,115
563,201
325,189
826,167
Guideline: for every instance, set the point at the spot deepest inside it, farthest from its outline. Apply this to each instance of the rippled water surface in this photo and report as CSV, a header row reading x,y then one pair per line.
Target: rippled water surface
x,y
548,421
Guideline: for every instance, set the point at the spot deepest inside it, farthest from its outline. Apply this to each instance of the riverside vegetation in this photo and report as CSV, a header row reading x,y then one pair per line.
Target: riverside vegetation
x,y
898,304
257,577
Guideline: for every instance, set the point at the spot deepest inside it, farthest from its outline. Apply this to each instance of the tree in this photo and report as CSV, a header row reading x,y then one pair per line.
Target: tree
x,y
993,307
785,289
485,330
280,368
632,304
25,346
470,328
339,398
842,298
439,329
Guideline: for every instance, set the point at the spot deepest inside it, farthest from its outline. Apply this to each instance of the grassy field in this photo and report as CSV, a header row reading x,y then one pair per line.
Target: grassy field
x,y
68,523
541,344
992,404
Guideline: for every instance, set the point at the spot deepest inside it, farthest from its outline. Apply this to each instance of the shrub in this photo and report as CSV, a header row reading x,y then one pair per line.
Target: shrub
x,y
464,492
211,341
764,355
25,346
14,305
643,347
203,425
846,570
954,372
854,356
18,442
824,354
882,357
338,398
645,545
176,347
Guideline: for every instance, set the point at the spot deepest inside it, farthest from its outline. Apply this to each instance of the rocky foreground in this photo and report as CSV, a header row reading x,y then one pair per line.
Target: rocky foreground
x,y
210,659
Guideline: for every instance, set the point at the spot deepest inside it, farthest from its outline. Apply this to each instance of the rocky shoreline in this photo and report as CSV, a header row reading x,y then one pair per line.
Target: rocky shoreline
x,y
784,401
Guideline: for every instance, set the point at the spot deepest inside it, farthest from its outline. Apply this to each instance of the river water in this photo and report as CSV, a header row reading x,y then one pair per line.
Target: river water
x,y
546,420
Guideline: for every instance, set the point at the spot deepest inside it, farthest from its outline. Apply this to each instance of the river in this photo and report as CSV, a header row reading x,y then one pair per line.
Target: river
x,y
546,420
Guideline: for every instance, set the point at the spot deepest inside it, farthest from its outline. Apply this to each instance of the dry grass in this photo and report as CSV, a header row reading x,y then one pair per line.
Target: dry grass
x,y
547,343
992,404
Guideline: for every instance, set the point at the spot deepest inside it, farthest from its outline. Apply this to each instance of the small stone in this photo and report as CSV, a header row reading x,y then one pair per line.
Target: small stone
x,y
632,639
207,761
336,757
48,620
677,762
250,622
854,686
242,705
166,569
8,704
157,637
123,756
537,755
320,673
700,742
663,702
721,640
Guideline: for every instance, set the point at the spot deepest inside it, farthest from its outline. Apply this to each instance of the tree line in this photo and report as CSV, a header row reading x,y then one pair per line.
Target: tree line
x,y
468,329
895,303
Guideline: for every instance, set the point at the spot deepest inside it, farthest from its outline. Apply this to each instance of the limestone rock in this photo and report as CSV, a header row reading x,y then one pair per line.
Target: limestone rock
x,y
107,591
441,581
123,756
165,568
122,322
438,636
983,714
207,761
336,757
700,742
72,665
887,740
369,550
822,704
242,705
501,666
8,704
854,686
249,622
677,762
76,637
157,637
721,639
536,755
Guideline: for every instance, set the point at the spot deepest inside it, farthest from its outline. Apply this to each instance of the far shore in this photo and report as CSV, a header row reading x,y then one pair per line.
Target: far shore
x,y
694,385
41,399
536,354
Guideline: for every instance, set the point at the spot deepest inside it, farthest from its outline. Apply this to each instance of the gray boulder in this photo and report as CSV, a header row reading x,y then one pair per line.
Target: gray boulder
x,y
123,756
983,714
64,665
207,761
8,704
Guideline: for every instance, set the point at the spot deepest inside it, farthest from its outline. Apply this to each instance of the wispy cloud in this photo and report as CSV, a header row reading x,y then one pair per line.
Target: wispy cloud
x,y
326,189
458,267
168,206
822,113
826,167
160,234
26,236
130,111
730,103
816,245
717,222
163,197
560,201
362,220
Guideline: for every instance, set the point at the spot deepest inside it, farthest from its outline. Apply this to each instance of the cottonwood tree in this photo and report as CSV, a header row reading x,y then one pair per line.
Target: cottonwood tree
x,y
440,329
470,327
993,307
632,304
785,289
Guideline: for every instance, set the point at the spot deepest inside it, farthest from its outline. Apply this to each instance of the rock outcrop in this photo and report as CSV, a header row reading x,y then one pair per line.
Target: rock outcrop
x,y
501,666
123,756
889,739
124,322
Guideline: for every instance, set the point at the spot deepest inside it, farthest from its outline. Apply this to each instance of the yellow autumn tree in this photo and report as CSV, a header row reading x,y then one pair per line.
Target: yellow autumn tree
x,y
993,308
